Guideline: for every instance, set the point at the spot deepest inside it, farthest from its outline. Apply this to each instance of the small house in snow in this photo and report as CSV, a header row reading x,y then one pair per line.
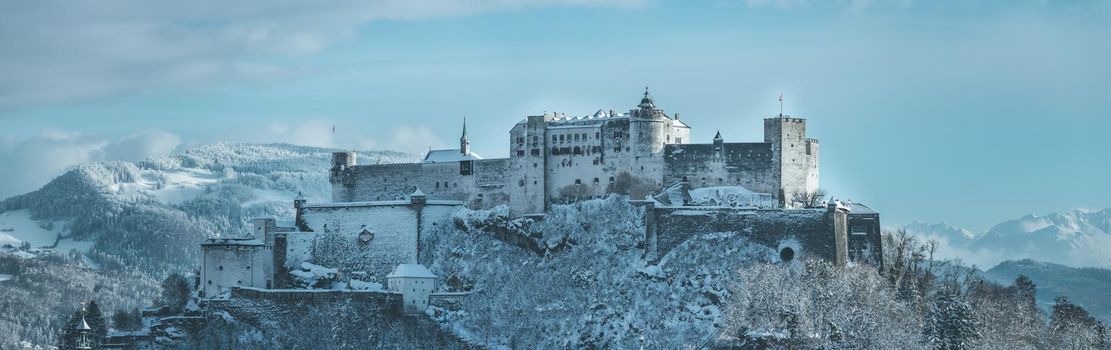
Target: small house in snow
x,y
414,282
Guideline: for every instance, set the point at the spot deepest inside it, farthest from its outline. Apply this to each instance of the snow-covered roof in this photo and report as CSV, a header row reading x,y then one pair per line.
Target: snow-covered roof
x,y
233,241
449,155
857,208
379,203
411,270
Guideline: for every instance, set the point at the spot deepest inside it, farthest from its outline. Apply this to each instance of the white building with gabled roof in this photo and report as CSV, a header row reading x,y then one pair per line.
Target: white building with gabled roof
x,y
415,283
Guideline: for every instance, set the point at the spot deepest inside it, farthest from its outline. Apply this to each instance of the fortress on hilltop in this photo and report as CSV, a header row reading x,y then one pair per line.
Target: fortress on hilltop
x,y
557,158
765,191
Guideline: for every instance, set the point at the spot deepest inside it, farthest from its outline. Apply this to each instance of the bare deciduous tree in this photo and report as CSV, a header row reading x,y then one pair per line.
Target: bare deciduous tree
x,y
810,199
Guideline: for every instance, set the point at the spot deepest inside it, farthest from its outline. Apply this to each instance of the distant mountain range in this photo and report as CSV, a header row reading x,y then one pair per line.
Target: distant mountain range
x,y
1077,238
1088,287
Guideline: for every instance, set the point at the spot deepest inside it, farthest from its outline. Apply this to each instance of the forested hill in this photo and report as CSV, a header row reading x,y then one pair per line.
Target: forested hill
x,y
135,222
150,215
1090,287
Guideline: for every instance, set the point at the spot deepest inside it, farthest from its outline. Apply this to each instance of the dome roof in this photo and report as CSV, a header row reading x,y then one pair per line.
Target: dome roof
x,y
646,101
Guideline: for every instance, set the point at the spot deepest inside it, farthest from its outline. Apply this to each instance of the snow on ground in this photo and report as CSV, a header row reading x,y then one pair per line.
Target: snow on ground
x,y
17,227
731,196
598,293
171,186
364,285
4,277
267,196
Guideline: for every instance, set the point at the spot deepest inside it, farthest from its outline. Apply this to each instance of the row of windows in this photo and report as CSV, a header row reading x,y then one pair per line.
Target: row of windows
x,y
580,182
703,179
535,152
578,151
575,137
577,181
445,185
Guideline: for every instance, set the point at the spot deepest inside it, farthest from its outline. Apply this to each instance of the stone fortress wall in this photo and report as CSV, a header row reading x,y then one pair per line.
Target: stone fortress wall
x,y
555,158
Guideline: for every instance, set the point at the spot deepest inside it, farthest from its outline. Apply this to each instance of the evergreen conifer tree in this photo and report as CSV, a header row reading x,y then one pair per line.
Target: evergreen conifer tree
x,y
95,318
67,336
951,323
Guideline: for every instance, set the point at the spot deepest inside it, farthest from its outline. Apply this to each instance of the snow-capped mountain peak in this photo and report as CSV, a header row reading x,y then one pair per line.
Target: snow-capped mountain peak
x,y
1079,238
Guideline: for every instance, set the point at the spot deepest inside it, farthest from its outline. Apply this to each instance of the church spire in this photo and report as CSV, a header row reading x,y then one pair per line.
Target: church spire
x,y
464,141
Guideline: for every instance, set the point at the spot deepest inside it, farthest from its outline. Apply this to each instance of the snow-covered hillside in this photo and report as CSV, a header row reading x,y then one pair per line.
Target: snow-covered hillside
x,y
596,294
147,218
169,203
1078,238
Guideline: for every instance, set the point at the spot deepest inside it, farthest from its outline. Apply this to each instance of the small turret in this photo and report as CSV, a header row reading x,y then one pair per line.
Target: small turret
x,y
84,334
418,197
299,201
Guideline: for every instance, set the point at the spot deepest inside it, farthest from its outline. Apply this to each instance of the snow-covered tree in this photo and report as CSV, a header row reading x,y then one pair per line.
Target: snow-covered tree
x,y
175,292
950,322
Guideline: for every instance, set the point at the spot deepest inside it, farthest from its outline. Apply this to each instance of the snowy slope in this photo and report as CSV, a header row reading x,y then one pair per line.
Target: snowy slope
x,y
17,227
154,211
1078,238
596,294
143,220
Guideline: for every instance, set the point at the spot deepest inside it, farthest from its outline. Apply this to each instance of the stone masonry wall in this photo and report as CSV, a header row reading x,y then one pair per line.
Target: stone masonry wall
x,y
748,165
818,233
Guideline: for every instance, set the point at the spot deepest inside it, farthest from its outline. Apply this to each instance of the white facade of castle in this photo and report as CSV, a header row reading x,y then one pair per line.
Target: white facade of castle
x,y
557,158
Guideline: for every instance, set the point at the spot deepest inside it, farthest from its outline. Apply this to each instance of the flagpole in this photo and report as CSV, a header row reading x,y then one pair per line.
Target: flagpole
x,y
780,105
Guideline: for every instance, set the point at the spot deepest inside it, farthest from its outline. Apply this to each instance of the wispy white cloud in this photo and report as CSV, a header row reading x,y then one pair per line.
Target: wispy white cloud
x,y
849,4
57,51
317,132
31,162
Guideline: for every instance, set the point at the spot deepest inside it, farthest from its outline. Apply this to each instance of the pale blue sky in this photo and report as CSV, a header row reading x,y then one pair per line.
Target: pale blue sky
x,y
967,112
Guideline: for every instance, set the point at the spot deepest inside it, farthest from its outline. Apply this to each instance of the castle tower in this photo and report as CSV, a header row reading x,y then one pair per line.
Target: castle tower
x,y
719,147
464,141
343,183
794,157
533,184
649,131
